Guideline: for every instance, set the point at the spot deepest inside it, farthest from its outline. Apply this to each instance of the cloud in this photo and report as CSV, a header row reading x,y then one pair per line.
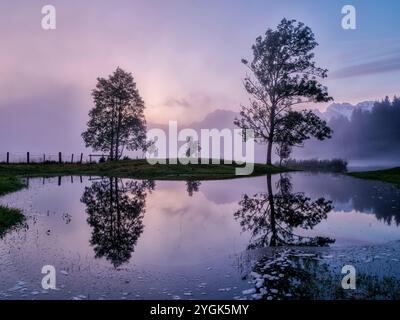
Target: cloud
x,y
193,100
172,102
187,108
389,63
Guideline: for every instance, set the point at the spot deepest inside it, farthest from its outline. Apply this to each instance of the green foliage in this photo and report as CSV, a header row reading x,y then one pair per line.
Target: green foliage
x,y
9,217
9,183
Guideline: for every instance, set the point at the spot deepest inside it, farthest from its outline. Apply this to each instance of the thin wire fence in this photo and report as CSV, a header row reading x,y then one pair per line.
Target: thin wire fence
x,y
28,157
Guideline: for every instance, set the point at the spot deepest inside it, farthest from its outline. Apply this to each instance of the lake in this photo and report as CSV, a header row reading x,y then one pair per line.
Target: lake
x,y
133,239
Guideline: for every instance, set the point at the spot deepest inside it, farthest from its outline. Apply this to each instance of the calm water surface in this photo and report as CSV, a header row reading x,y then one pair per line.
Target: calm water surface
x,y
132,239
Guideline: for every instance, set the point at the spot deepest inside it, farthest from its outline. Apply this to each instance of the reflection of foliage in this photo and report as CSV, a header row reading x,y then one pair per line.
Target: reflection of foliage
x,y
192,186
271,218
67,218
116,209
381,199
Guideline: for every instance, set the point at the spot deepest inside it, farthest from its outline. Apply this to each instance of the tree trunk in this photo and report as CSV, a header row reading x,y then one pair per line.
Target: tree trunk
x,y
111,209
274,236
113,116
119,122
117,208
112,145
271,135
117,143
269,152
112,139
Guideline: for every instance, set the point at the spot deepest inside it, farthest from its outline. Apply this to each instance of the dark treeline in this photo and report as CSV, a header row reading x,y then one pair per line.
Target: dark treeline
x,y
371,134
334,165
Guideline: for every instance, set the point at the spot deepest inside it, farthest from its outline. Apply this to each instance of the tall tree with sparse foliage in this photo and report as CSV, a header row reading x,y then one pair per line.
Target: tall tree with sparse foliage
x,y
283,74
117,120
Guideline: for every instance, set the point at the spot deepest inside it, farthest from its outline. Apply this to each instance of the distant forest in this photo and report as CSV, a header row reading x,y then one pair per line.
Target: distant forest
x,y
371,134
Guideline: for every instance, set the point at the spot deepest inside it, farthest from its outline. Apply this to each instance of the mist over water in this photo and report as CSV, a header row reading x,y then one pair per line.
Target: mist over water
x,y
366,138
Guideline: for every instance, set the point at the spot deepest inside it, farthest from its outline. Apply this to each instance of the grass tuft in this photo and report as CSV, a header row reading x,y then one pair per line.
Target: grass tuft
x,y
9,219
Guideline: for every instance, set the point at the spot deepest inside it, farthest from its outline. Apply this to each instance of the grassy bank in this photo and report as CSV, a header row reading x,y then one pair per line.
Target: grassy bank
x,y
9,217
135,169
389,175
9,183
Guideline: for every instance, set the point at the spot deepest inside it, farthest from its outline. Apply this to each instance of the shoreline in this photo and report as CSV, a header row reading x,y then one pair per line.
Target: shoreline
x,y
388,175
136,169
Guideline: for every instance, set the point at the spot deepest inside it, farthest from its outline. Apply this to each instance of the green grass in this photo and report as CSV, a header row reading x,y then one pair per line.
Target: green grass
x,y
9,219
389,175
9,183
139,169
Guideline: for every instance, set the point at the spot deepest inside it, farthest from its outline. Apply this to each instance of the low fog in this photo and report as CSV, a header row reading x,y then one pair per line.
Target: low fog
x,y
363,136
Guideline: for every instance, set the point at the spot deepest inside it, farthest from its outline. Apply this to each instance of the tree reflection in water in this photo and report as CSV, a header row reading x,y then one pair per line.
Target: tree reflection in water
x,y
271,217
116,209
192,186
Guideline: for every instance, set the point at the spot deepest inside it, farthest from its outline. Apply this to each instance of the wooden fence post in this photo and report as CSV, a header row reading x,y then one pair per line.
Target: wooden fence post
x,y
81,158
27,157
59,157
8,157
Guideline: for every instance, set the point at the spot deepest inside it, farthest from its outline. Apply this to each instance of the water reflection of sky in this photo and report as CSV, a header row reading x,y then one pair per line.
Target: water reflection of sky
x,y
178,226
182,232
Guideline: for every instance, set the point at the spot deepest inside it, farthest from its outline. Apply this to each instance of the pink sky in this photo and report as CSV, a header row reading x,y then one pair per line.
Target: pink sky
x,y
184,55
